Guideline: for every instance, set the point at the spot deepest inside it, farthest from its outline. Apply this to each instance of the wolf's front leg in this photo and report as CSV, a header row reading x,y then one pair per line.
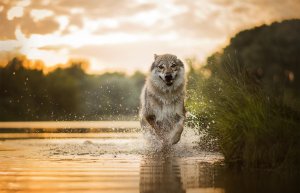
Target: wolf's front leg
x,y
177,130
156,126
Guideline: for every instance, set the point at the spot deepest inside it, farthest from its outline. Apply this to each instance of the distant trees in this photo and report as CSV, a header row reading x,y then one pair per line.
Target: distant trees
x,y
66,93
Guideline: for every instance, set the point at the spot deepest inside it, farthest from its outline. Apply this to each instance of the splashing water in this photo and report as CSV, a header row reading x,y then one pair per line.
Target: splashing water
x,y
133,144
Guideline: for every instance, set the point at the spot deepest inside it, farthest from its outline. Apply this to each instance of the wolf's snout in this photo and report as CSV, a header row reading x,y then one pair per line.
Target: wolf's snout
x,y
168,77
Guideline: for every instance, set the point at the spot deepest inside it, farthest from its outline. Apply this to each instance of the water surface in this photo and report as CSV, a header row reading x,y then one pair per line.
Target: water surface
x,y
121,162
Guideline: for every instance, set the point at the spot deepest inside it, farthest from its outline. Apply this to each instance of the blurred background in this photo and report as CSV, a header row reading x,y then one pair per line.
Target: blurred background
x,y
87,60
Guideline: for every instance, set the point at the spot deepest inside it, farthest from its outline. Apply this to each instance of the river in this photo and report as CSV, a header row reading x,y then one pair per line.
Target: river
x,y
109,159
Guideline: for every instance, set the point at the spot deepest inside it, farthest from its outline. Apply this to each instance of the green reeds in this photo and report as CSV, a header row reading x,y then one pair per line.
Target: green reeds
x,y
253,129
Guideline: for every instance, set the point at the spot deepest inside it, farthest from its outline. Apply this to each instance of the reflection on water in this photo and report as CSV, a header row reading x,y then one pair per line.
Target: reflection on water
x,y
160,173
164,173
117,162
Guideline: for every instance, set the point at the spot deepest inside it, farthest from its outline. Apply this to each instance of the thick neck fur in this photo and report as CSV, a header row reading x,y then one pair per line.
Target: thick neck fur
x,y
163,93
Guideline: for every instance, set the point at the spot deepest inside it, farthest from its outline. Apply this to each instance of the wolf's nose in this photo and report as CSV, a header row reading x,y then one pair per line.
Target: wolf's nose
x,y
168,77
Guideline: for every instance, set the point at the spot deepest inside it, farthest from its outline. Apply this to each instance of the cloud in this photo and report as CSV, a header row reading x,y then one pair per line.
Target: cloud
x,y
15,12
43,26
124,34
40,14
106,8
13,17
7,29
139,55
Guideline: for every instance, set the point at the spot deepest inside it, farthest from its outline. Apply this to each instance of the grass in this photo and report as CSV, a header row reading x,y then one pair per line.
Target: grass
x,y
251,128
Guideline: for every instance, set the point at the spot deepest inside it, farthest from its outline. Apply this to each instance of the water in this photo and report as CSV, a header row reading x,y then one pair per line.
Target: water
x,y
121,162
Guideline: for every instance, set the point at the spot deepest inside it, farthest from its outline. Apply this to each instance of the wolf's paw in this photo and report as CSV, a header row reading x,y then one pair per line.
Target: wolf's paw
x,y
176,139
176,135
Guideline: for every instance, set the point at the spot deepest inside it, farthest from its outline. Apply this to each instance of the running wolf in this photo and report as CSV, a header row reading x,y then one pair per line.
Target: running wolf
x,y
162,111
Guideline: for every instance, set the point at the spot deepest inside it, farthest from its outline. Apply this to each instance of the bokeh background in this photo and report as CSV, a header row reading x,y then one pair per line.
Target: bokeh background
x,y
87,59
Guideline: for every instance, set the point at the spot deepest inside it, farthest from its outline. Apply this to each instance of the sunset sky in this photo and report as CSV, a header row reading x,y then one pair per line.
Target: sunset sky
x,y
124,34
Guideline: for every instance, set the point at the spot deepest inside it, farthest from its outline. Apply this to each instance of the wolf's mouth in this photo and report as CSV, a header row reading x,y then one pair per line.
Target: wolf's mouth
x,y
168,82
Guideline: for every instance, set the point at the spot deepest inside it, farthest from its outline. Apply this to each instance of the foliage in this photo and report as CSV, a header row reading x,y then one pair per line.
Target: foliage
x,y
270,56
66,93
253,120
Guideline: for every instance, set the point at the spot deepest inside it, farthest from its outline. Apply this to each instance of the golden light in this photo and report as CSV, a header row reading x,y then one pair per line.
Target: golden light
x,y
125,36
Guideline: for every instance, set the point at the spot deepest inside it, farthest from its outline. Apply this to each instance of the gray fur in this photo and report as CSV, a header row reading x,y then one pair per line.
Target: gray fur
x,y
162,111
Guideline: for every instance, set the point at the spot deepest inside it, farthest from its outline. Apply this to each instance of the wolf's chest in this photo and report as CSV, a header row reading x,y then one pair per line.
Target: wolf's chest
x,y
168,111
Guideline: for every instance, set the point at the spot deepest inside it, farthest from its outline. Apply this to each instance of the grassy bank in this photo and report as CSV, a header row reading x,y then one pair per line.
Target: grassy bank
x,y
251,128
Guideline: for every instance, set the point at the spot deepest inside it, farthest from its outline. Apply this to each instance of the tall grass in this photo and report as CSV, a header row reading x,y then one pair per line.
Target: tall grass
x,y
251,128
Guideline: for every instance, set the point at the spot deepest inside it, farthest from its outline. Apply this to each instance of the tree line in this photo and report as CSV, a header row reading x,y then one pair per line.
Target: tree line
x,y
27,94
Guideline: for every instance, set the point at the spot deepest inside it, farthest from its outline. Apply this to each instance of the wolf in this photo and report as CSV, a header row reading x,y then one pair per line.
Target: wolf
x,y
162,111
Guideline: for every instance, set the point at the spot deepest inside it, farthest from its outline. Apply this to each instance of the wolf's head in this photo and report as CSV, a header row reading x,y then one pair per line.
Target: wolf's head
x,y
167,70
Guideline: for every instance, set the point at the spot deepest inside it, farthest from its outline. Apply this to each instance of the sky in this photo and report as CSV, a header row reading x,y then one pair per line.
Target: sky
x,y
123,35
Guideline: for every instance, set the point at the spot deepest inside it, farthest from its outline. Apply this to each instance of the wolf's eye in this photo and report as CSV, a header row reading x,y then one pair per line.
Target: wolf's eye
x,y
161,67
173,65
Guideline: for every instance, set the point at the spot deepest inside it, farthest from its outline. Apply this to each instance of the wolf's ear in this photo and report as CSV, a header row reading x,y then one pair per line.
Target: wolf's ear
x,y
179,63
152,66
